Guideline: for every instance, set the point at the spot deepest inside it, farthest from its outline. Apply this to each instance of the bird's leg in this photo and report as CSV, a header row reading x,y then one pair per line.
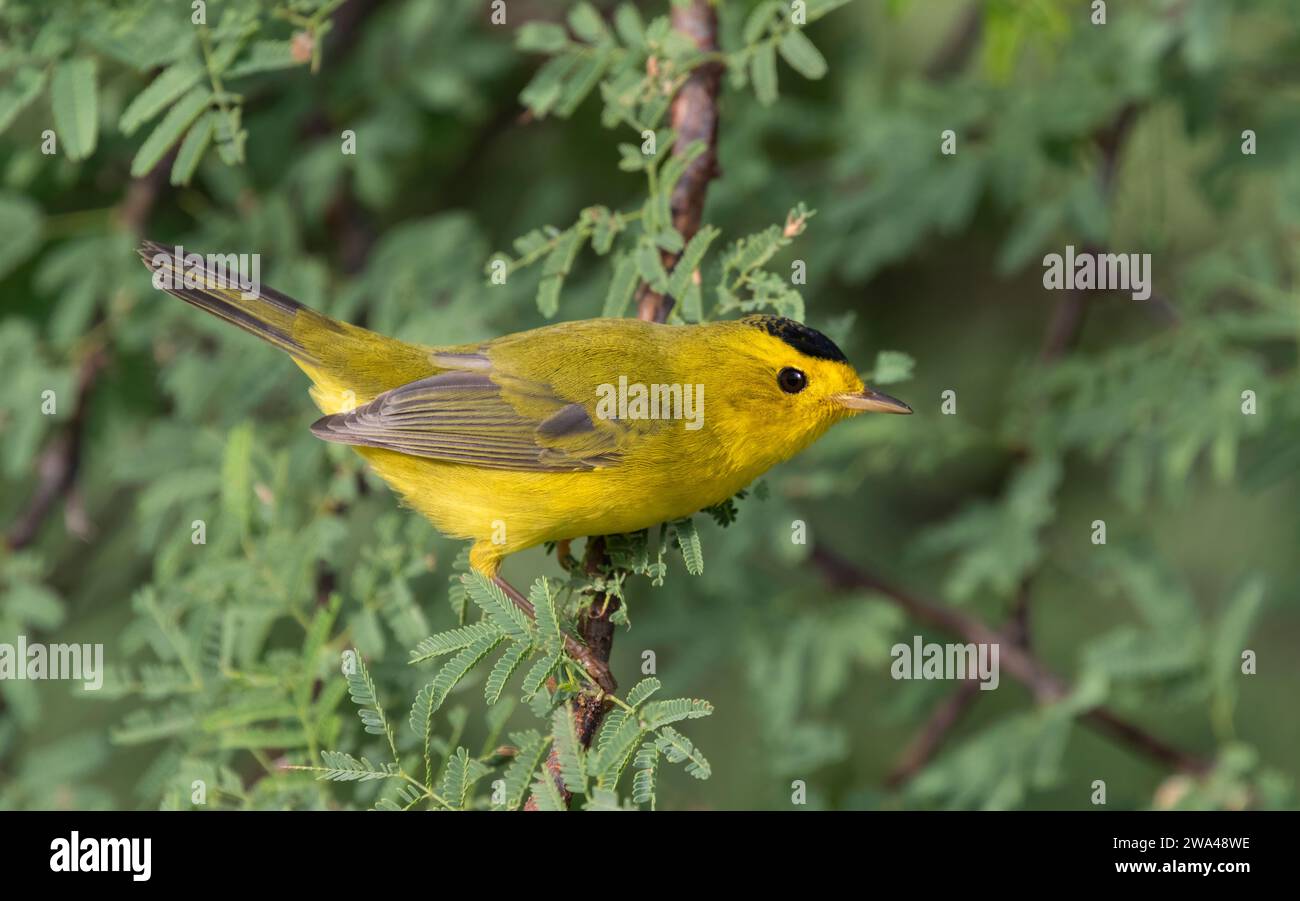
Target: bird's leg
x,y
595,667
563,555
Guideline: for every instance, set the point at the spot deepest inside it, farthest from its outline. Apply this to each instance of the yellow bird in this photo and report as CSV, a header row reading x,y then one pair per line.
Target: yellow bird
x,y
581,428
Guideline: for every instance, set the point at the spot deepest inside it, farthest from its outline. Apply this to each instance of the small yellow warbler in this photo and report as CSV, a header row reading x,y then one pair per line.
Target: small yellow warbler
x,y
581,428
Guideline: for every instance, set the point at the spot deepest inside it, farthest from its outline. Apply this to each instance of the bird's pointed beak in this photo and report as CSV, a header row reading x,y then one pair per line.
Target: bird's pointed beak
x,y
871,401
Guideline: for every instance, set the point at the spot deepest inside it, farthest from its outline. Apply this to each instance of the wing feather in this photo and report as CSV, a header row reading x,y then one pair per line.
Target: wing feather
x,y
466,416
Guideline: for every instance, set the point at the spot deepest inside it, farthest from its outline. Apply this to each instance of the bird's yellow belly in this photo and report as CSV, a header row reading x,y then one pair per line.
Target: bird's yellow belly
x,y
506,510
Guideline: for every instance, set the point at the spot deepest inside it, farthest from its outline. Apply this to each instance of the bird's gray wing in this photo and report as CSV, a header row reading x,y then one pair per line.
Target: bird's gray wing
x,y
480,418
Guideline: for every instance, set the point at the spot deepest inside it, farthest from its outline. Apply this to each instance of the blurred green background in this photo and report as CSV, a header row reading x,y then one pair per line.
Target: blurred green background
x,y
1070,408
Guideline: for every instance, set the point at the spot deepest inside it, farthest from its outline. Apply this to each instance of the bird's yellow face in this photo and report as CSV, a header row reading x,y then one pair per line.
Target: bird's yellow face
x,y
783,385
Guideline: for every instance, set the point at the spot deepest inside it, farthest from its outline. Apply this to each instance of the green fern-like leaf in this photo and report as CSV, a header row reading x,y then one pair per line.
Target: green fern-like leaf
x,y
690,260
605,799
255,708
459,777
409,795
537,673
673,168
641,691
615,719
677,748
546,794
573,760
362,690
647,772
612,723
531,751
150,724
499,609
688,539
457,596
556,269
548,625
74,103
431,697
661,713
452,640
316,637
503,669
170,84
341,767
612,759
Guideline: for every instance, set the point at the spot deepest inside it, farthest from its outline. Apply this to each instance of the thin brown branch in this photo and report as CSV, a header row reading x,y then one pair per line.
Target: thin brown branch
x,y
346,26
927,743
694,117
1066,324
1022,664
596,627
59,460
595,666
952,710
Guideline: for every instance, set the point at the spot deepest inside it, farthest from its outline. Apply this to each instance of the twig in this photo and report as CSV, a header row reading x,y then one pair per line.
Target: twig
x,y
1022,664
345,25
958,46
596,626
694,117
57,465
922,749
1067,320
1062,334
595,666
953,708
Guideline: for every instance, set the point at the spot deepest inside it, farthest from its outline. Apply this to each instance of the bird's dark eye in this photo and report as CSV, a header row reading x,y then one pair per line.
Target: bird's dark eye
x,y
791,380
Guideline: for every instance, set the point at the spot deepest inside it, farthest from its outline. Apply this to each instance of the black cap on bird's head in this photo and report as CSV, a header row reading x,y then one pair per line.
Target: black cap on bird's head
x,y
799,336
812,343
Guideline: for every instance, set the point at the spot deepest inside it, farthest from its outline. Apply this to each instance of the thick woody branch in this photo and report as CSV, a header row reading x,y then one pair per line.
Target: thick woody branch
x,y
596,627
694,117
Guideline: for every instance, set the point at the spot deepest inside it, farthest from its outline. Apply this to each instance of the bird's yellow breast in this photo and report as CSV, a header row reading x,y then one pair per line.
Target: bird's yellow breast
x,y
505,511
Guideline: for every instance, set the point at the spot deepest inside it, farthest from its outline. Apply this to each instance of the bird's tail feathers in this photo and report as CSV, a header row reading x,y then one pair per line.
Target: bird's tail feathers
x,y
218,285
348,365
